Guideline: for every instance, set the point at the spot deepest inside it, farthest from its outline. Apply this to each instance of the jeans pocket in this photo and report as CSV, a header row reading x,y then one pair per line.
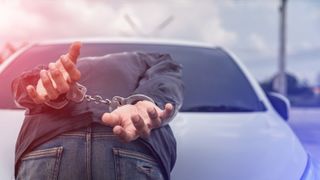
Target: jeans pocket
x,y
131,165
41,164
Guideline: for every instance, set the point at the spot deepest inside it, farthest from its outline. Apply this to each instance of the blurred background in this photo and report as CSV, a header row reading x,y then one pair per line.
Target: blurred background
x,y
278,40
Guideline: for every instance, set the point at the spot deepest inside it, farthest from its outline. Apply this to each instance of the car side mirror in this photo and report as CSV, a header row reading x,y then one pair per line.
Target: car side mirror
x,y
280,103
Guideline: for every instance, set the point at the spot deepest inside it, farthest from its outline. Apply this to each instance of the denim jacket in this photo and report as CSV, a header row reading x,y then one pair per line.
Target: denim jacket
x,y
123,74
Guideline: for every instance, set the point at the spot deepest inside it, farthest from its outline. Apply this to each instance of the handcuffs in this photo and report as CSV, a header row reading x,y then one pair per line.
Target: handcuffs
x,y
78,93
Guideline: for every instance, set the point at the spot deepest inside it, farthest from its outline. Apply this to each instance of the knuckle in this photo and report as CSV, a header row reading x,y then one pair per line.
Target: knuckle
x,y
68,66
76,75
53,96
63,89
66,61
140,127
55,74
46,81
51,65
153,113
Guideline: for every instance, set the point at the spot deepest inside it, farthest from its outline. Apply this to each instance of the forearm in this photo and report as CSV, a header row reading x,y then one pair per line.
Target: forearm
x,y
162,82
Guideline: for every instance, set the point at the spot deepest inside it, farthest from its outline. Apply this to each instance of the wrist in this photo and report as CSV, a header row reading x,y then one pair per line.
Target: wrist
x,y
118,101
58,103
76,93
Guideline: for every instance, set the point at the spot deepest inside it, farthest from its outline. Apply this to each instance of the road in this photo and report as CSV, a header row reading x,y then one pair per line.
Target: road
x,y
305,122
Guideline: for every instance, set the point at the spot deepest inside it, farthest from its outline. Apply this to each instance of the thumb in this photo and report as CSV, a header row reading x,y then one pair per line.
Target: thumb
x,y
74,51
167,112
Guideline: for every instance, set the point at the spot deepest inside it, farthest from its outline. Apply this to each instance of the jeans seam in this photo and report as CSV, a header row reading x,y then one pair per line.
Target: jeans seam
x,y
137,155
145,171
117,166
88,153
55,172
74,134
102,135
41,153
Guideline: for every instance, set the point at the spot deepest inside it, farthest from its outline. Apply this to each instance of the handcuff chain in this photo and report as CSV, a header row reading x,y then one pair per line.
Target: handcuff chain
x,y
97,99
79,93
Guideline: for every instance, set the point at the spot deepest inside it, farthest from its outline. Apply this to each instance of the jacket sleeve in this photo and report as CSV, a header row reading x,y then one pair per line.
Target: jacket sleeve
x,y
18,88
161,81
22,99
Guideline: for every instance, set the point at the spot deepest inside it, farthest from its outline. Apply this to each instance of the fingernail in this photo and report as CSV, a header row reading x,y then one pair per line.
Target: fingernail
x,y
153,113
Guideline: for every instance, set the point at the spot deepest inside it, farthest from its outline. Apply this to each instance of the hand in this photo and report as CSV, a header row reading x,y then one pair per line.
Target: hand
x,y
130,122
57,80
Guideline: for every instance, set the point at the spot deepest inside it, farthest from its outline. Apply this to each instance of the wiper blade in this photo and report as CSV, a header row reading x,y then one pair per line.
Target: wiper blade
x,y
218,108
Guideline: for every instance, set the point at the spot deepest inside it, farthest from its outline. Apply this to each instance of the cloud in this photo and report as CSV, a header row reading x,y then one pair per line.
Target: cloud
x,y
259,44
38,19
213,32
249,28
15,22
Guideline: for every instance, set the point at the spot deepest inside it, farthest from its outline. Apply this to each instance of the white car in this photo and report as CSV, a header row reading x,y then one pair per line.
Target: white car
x,y
228,129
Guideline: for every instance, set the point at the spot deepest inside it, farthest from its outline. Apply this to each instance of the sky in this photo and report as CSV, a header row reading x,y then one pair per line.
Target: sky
x,y
249,28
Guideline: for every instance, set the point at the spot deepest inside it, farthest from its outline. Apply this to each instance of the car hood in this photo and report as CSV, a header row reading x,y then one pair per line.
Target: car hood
x,y
224,146
232,146
11,122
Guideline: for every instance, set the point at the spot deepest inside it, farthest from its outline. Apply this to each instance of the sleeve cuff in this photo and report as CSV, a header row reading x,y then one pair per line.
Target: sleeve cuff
x,y
76,94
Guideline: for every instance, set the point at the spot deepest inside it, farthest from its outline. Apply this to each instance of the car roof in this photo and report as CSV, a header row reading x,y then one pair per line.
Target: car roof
x,y
154,41
116,40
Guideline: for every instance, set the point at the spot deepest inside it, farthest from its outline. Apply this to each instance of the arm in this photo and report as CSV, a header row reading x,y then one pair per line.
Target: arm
x,y
46,87
18,87
161,81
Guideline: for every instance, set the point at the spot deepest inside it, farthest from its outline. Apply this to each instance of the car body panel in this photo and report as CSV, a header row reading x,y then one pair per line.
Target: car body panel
x,y
11,121
246,145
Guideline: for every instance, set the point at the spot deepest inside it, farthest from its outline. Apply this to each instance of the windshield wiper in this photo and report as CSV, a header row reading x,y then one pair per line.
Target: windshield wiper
x,y
218,108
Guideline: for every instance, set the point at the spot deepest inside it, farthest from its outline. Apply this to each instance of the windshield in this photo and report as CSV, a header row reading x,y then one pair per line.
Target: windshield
x,y
213,81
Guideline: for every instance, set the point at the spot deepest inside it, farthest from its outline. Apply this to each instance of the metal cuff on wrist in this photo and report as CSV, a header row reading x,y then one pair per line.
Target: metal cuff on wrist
x,y
118,101
78,92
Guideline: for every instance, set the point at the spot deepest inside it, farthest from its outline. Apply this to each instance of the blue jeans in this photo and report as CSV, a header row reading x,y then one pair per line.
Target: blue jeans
x,y
89,153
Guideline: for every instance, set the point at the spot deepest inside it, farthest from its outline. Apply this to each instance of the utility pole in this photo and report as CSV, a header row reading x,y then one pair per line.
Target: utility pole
x,y
281,84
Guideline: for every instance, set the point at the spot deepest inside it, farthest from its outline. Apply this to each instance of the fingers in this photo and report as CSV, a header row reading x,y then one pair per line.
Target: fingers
x,y
57,79
126,132
166,113
141,128
36,98
52,93
74,51
60,82
154,117
129,124
127,128
70,68
126,135
111,119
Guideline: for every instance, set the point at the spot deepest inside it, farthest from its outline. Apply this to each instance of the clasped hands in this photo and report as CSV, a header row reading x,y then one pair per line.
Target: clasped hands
x,y
129,122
